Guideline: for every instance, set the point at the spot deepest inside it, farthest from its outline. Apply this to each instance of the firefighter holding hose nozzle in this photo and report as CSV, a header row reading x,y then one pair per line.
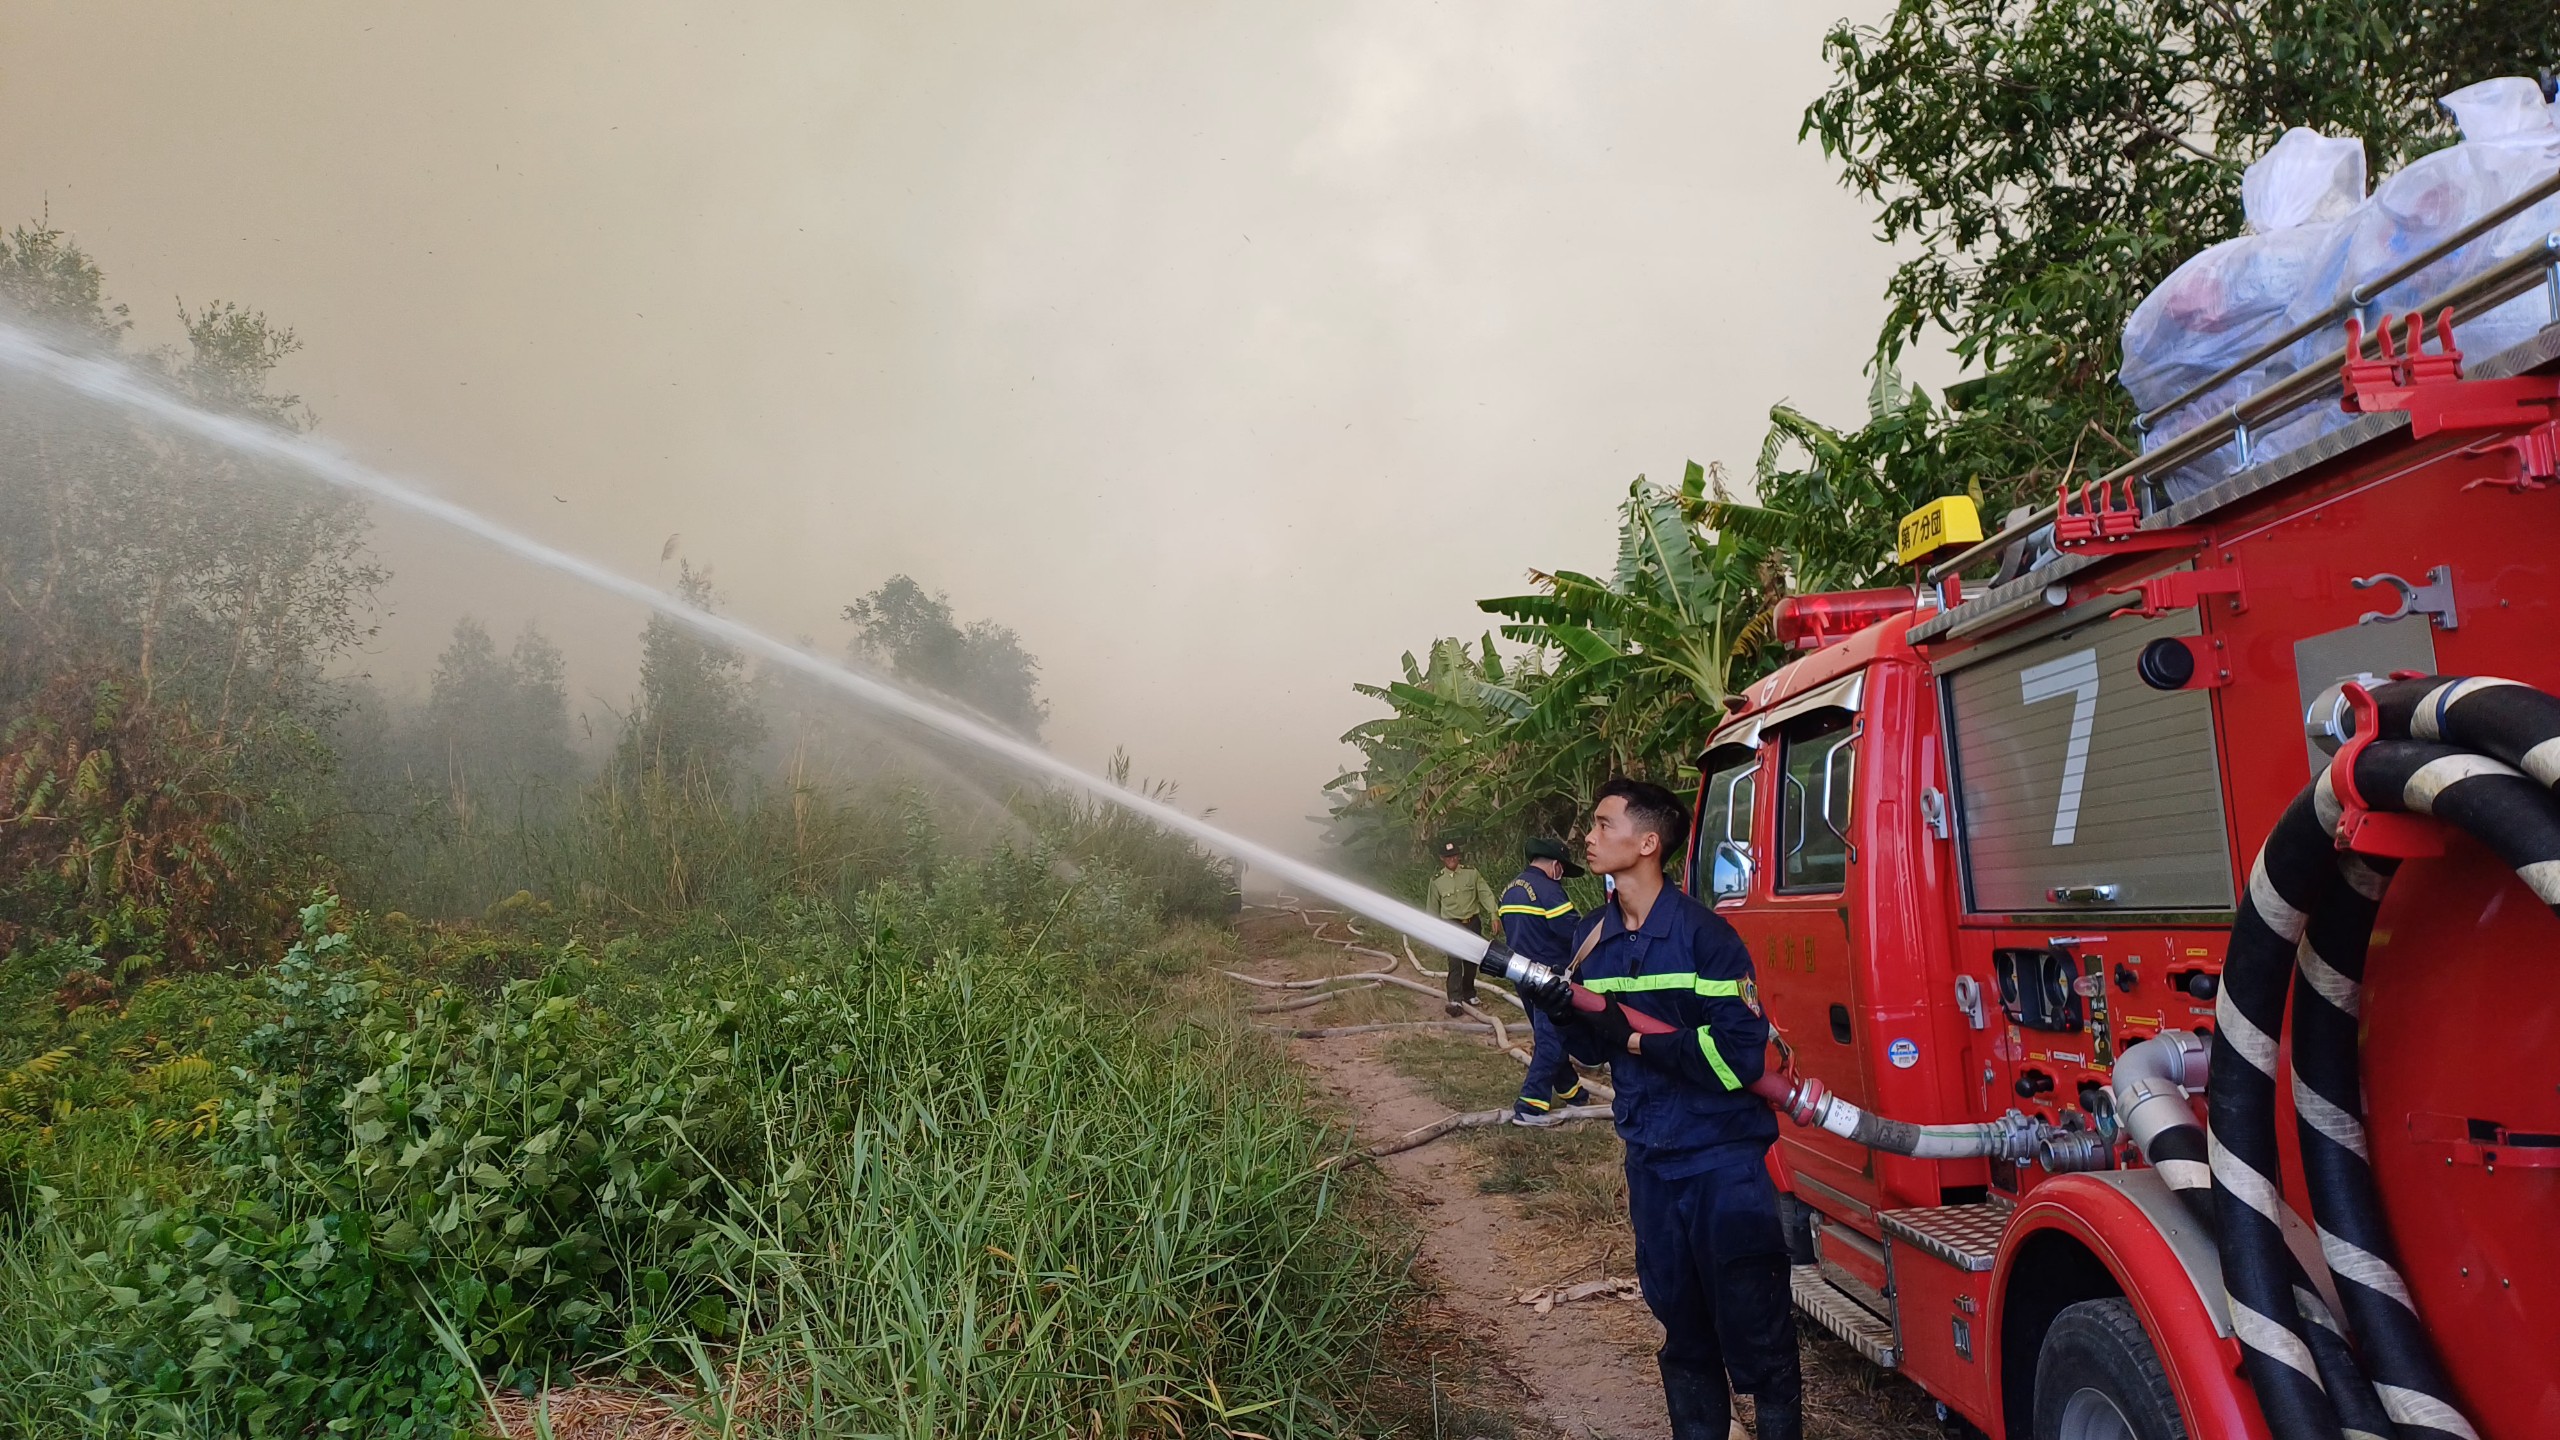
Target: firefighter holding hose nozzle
x,y
1710,1252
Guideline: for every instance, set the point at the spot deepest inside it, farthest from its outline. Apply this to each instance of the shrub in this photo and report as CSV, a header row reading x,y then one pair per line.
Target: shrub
x,y
118,826
930,1164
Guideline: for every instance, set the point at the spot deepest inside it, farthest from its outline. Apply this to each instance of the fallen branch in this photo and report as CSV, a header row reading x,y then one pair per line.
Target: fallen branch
x,y
1305,1001
1332,1032
1415,1139
1545,1298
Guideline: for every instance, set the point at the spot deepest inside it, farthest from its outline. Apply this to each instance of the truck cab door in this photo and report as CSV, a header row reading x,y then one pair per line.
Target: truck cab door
x,y
1802,930
1774,855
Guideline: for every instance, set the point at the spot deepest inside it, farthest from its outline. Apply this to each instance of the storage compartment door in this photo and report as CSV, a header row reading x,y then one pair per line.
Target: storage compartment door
x,y
2083,788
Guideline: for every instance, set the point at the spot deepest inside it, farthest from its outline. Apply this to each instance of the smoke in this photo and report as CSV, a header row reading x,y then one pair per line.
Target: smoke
x,y
1225,352
115,383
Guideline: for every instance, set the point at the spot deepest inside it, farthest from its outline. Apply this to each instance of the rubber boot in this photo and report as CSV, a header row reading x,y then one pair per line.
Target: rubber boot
x,y
1779,1410
1701,1407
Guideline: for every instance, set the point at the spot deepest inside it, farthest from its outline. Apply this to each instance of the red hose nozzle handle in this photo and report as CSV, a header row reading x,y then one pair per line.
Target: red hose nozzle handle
x,y
1591,1002
1801,1100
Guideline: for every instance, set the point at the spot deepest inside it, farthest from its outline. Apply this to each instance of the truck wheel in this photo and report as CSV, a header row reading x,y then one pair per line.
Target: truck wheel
x,y
2098,1378
1797,1218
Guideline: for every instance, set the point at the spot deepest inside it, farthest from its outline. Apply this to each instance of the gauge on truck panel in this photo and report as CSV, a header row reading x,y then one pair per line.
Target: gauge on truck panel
x,y
2082,788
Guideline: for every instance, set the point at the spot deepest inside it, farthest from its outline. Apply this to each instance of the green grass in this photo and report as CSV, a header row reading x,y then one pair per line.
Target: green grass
x,y
959,1154
1461,1072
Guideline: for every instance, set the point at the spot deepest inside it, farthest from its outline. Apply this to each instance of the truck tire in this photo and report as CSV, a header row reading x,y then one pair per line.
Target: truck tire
x,y
2097,1378
1797,1219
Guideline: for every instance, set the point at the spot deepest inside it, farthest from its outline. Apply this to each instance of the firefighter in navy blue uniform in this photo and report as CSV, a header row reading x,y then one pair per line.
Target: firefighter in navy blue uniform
x,y
1538,922
1710,1252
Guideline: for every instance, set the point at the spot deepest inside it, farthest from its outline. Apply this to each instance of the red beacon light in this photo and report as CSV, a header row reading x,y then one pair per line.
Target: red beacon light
x,y
1810,622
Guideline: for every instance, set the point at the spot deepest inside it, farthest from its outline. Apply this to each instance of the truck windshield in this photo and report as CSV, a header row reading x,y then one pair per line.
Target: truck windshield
x,y
1820,764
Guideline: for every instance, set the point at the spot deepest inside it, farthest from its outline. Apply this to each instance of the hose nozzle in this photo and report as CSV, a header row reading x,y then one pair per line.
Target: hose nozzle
x,y
1539,985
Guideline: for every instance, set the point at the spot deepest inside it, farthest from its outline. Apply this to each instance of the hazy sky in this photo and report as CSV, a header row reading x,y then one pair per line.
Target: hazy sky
x,y
1225,352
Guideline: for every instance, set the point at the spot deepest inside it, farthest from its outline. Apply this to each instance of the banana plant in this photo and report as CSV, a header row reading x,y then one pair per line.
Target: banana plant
x,y
1445,761
1646,659
1623,674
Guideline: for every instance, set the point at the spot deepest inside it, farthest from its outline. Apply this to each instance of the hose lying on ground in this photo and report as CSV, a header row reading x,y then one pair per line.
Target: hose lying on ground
x,y
2481,755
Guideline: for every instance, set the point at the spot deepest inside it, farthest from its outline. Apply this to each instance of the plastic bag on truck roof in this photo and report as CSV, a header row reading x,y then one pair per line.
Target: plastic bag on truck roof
x,y
2233,297
2510,143
2305,178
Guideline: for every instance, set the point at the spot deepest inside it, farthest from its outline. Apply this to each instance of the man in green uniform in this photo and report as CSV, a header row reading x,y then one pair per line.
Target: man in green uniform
x,y
1459,895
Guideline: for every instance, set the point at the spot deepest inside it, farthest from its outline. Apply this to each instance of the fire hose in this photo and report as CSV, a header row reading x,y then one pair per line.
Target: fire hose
x,y
2481,755
1804,1099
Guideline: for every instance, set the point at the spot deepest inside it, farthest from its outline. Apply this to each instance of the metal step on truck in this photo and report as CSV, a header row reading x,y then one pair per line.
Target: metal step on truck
x,y
2186,893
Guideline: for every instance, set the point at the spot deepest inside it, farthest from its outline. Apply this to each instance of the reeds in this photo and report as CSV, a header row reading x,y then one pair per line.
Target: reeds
x,y
1053,1220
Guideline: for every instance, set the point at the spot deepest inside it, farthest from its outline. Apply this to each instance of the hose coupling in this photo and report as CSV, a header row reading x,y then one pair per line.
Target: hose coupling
x,y
1802,1099
2061,1151
2016,1137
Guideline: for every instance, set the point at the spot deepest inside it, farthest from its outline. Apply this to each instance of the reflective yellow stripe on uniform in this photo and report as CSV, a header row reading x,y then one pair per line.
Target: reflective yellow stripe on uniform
x,y
1561,910
1728,989
1715,1060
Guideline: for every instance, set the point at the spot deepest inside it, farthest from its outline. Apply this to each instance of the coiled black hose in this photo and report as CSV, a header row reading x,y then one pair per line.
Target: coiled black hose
x,y
2479,754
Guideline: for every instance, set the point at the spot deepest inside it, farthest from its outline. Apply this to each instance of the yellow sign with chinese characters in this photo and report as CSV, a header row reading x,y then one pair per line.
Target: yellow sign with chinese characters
x,y
1947,520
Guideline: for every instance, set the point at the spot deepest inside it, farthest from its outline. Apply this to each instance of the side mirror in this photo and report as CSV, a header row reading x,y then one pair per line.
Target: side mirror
x,y
1732,869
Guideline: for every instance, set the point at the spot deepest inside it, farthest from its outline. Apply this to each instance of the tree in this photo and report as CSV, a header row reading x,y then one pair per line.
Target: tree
x,y
1444,762
2046,163
499,723
220,583
171,609
982,665
46,277
694,721
1830,500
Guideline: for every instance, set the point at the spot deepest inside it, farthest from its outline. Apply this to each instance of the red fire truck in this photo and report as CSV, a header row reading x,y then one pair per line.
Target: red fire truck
x,y
2014,861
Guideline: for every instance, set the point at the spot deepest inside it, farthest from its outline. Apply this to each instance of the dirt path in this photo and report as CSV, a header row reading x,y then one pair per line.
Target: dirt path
x,y
1506,1211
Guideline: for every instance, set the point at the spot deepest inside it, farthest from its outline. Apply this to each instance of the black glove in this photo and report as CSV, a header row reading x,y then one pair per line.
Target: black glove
x,y
1607,1027
1548,992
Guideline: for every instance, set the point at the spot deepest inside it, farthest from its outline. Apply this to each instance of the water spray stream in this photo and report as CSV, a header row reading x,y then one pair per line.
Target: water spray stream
x,y
118,384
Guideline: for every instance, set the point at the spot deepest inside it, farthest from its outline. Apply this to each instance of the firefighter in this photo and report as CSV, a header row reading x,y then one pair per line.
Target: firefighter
x,y
1538,922
1710,1253
1459,895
